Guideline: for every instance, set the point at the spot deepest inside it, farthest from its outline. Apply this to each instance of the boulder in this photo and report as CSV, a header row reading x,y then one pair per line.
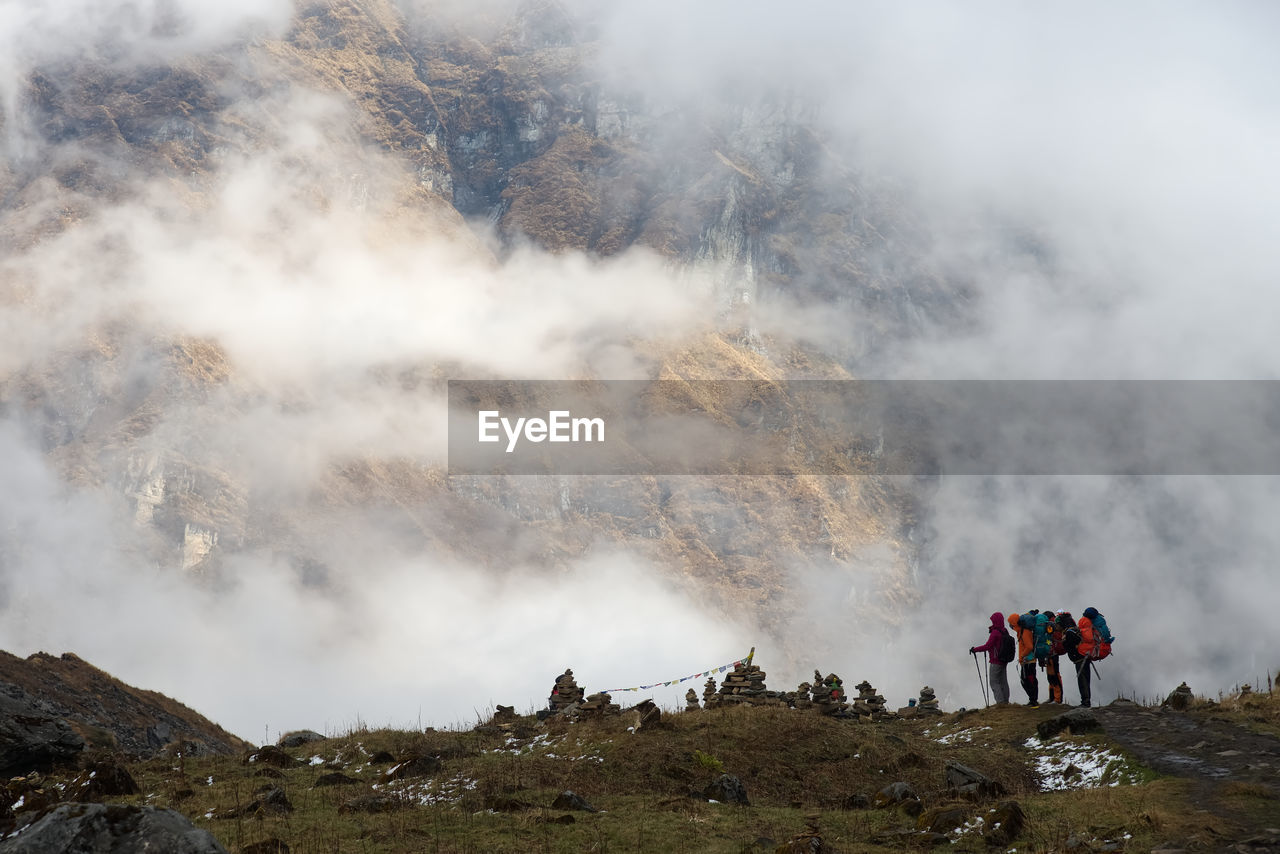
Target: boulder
x,y
92,828
894,794
1076,721
382,757
965,781
100,781
1179,700
1005,824
942,819
271,801
727,789
649,714
571,801
299,738
272,756
412,766
31,740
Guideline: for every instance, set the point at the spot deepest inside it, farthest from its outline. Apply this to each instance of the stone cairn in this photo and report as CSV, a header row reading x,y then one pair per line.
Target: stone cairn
x,y
801,697
828,694
564,693
928,703
869,703
710,699
744,683
598,705
1180,699
691,701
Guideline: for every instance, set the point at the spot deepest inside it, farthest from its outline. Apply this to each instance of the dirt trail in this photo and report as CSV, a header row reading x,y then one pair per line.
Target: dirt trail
x,y
1209,751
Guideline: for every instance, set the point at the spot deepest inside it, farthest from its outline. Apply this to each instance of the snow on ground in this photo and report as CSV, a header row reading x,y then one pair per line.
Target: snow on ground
x,y
966,735
1078,765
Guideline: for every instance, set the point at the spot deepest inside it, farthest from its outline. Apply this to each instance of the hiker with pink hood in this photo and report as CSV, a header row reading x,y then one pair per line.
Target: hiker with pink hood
x,y
1000,649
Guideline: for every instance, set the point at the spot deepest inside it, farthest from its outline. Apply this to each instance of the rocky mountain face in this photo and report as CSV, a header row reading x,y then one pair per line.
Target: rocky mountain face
x,y
57,707
518,130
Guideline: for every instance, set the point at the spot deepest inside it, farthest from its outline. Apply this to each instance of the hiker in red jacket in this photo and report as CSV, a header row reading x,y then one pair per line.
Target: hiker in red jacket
x,y
997,665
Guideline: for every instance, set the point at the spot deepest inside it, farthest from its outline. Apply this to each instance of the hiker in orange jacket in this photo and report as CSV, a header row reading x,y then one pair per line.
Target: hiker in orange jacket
x,y
1095,642
1024,626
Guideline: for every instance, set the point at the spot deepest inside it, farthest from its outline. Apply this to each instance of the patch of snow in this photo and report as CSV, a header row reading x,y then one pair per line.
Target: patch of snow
x,y
209,782
1063,765
965,735
17,805
317,760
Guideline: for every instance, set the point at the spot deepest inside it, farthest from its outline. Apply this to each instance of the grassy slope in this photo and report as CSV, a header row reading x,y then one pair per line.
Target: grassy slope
x,y
795,765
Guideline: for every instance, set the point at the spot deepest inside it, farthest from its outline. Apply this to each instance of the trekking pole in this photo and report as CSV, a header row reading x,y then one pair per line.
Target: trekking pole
x,y
986,701
1095,670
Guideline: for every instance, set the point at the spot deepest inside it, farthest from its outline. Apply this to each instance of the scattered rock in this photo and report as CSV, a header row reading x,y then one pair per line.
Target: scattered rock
x,y
1005,824
412,766
894,794
727,789
299,738
965,781
272,756
31,740
336,778
381,758
110,828
101,780
571,801
942,819
1077,721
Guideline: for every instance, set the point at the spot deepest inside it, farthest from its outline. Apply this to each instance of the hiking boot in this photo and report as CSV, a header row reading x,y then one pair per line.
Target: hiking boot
x,y
1084,704
1032,704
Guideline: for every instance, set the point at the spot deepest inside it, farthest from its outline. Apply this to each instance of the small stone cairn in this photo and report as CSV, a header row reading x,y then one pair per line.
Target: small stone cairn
x,y
565,693
801,697
744,683
869,704
828,694
710,699
928,702
598,705
691,701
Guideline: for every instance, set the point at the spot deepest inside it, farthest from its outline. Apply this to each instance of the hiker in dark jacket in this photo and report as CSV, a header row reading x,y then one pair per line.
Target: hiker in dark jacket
x,y
997,670
1048,648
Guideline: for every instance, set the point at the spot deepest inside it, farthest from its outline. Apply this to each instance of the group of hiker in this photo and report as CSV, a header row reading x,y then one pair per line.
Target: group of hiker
x,y
1039,640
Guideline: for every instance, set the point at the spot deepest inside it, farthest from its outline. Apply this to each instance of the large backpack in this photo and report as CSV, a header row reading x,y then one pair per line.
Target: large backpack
x,y
1007,651
1101,646
1068,636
